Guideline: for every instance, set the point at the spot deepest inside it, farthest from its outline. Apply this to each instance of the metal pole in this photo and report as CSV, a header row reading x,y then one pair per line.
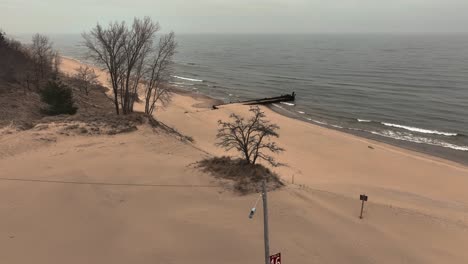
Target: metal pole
x,y
265,223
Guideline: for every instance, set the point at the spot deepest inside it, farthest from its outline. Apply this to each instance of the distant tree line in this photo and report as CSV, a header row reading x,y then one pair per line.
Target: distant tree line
x,y
36,68
137,62
30,65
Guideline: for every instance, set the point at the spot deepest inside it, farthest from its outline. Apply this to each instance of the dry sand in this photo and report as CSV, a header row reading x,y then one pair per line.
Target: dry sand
x,y
51,212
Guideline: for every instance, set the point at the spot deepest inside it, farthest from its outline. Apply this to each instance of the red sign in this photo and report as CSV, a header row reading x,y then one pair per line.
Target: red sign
x,y
275,259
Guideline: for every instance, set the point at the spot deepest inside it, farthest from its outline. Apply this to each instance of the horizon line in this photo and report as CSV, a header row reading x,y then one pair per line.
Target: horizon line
x,y
264,33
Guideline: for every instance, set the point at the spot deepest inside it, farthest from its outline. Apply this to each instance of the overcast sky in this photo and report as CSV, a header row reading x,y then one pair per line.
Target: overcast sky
x,y
240,16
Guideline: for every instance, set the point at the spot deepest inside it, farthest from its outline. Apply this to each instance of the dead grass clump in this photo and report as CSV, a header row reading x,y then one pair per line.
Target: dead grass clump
x,y
246,178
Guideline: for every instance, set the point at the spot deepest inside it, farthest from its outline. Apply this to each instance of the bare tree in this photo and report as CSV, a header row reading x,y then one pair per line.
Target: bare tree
x,y
159,73
106,48
136,48
123,51
41,52
252,137
86,78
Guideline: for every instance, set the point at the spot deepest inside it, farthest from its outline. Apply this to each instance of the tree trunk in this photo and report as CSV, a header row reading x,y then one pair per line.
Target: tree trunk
x,y
247,156
116,103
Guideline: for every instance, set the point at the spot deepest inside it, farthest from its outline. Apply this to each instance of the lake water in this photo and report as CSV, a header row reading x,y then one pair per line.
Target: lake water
x,y
407,90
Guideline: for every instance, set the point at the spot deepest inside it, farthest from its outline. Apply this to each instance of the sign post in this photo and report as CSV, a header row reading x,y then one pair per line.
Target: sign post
x,y
363,198
275,259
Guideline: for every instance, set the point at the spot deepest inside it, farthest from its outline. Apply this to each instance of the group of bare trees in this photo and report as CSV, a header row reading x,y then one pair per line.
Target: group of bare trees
x,y
135,61
33,64
46,60
42,53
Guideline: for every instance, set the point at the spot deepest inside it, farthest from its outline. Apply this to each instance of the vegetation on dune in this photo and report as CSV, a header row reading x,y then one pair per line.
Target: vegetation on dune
x,y
35,67
247,177
32,65
24,70
58,97
34,92
252,138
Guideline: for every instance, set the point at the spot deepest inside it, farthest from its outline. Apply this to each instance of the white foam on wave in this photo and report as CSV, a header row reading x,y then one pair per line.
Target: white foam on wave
x,y
182,83
276,105
364,120
320,122
420,140
420,130
286,103
187,79
300,112
336,126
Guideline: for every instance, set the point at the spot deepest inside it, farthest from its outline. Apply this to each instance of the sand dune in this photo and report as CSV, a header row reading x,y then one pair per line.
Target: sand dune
x,y
145,206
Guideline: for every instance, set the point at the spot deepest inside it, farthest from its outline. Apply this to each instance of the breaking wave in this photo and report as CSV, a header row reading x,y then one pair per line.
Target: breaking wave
x,y
279,106
187,79
336,126
420,130
319,122
416,139
182,83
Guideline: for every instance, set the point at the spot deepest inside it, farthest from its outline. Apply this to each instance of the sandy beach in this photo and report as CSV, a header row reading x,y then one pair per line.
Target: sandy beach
x,y
138,198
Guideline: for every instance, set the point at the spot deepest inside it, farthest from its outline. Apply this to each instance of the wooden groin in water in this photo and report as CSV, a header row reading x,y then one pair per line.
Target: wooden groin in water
x,y
264,101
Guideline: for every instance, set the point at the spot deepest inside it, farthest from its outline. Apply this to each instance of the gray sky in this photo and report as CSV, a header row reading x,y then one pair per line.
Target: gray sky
x,y
240,16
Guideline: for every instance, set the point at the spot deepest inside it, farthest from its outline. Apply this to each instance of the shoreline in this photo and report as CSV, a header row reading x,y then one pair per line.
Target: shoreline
x,y
415,148
403,145
458,157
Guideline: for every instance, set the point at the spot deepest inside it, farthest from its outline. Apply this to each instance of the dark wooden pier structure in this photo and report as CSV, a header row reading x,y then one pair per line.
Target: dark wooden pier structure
x,y
264,101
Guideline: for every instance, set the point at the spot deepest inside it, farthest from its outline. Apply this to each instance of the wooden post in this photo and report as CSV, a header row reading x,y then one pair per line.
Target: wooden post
x,y
363,199
362,209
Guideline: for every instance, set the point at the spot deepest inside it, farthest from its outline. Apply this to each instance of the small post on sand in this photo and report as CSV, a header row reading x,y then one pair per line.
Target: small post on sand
x,y
265,223
363,199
